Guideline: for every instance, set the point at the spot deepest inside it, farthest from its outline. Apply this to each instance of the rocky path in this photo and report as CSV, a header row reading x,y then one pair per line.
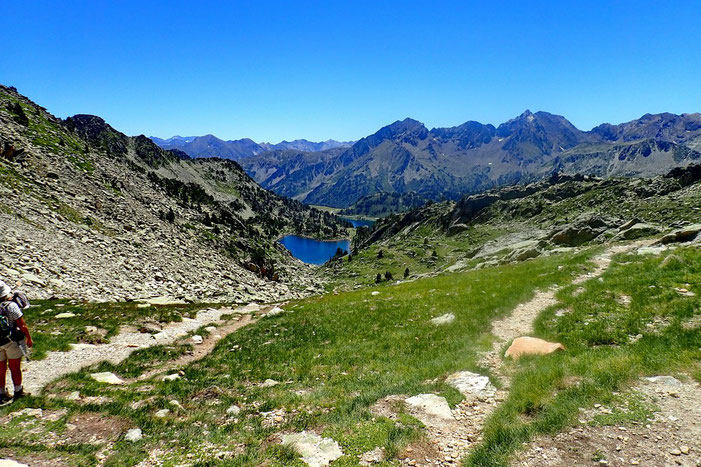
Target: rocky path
x,y
38,373
672,436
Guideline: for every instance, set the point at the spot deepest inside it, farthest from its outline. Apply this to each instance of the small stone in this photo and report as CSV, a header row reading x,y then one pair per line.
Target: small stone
x,y
432,405
134,435
74,396
162,413
175,404
675,452
210,329
233,410
106,377
64,315
684,449
172,377
443,319
269,383
469,383
197,339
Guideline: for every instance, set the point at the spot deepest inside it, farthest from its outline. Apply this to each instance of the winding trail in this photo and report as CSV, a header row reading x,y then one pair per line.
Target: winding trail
x,y
39,373
451,439
520,321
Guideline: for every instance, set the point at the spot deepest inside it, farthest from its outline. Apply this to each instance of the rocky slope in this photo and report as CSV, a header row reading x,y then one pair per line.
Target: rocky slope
x,y
563,211
88,212
449,162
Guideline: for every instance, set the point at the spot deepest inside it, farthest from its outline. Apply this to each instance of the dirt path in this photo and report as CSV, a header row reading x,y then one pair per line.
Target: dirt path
x,y
38,373
520,321
205,348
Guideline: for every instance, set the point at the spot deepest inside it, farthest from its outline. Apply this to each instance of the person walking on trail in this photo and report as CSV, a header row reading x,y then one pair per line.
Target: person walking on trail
x,y
13,329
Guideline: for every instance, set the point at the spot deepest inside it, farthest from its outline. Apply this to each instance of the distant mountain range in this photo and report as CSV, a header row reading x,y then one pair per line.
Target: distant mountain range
x,y
450,162
211,146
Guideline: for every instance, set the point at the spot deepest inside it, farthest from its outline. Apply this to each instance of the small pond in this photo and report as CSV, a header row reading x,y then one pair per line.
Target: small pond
x,y
313,251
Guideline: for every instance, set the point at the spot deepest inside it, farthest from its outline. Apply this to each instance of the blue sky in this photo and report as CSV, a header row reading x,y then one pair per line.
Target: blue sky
x,y
341,70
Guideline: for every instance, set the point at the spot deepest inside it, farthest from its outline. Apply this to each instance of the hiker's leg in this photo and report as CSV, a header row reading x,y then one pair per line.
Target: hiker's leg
x,y
16,371
3,374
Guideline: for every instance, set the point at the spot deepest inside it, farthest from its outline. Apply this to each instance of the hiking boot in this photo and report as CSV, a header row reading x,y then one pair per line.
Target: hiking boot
x,y
4,398
19,394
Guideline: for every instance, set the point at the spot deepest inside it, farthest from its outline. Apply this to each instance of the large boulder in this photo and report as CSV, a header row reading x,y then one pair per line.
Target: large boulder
x,y
573,235
685,234
639,230
532,346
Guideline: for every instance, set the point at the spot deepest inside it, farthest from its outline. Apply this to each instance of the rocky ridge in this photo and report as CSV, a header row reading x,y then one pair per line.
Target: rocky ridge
x,y
470,158
90,213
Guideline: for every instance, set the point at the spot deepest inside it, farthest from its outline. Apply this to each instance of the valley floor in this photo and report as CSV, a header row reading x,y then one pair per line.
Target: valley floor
x,y
408,373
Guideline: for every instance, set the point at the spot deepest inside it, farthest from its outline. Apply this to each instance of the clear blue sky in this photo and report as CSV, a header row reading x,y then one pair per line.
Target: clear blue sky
x,y
342,69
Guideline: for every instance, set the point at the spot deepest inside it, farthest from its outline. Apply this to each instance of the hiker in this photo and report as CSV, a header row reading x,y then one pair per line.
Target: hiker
x,y
13,329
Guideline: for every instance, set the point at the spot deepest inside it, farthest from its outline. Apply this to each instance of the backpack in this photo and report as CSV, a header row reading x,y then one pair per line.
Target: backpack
x,y
8,332
20,298
5,328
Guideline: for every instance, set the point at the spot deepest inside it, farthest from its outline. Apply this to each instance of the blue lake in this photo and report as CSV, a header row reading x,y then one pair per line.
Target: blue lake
x,y
313,251
358,222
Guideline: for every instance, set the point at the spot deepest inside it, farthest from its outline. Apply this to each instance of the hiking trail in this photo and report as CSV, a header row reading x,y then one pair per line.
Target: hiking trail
x,y
39,373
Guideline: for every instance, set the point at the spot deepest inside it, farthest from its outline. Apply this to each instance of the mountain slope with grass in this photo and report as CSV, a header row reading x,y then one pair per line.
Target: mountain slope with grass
x,y
446,163
345,370
89,212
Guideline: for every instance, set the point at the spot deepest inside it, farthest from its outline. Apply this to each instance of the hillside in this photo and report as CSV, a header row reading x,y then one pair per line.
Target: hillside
x,y
89,212
521,222
450,162
383,203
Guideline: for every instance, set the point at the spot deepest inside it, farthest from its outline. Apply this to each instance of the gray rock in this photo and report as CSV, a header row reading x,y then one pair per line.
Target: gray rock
x,y
197,339
106,377
639,230
431,405
443,319
315,450
469,383
685,234
269,383
664,380
64,315
233,410
134,435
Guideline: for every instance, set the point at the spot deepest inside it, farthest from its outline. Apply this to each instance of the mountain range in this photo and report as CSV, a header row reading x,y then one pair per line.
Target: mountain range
x,y
211,146
473,157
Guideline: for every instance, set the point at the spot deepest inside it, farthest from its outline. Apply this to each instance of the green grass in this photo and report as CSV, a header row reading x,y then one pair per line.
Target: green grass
x,y
334,357
604,354
413,251
50,333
